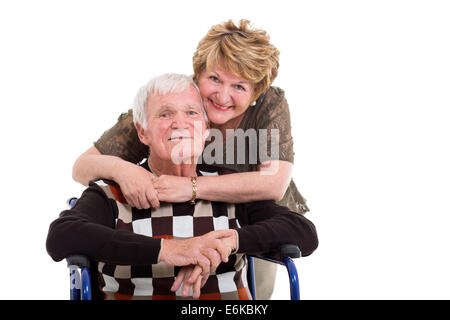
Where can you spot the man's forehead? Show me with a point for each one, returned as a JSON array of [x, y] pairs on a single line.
[[187, 98], [175, 106]]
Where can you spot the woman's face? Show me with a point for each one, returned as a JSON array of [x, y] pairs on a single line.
[[225, 95]]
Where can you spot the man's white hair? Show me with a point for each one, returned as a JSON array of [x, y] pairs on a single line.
[[161, 85]]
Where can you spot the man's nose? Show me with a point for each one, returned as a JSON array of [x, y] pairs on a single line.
[[180, 121]]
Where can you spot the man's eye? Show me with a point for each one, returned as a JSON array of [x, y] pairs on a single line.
[[192, 113], [165, 115]]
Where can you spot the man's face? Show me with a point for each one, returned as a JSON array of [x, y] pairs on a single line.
[[176, 126]]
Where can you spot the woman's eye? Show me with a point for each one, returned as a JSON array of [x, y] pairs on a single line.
[[239, 87], [214, 78]]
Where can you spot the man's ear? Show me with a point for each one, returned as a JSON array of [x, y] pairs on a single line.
[[142, 134]]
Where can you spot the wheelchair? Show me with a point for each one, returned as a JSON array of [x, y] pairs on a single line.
[[80, 277]]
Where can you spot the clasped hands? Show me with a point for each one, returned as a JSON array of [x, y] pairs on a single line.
[[198, 256]]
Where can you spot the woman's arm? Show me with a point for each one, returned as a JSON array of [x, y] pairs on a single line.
[[113, 157], [134, 181], [269, 183], [92, 165]]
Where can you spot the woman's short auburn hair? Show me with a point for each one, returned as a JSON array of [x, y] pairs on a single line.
[[243, 51]]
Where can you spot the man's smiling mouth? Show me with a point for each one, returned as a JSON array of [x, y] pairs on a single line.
[[179, 138]]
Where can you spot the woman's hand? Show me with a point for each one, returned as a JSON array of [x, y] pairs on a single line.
[[136, 184], [173, 188]]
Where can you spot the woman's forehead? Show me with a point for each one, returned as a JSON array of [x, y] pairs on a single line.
[[231, 74]]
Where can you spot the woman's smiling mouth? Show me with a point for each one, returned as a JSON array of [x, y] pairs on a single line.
[[219, 107]]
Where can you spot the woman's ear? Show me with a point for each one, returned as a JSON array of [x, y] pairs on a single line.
[[142, 134]]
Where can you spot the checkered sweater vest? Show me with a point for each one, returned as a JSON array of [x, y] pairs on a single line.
[[172, 221]]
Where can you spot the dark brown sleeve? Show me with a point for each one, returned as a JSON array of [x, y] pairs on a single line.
[[267, 226], [274, 114], [122, 140], [88, 229]]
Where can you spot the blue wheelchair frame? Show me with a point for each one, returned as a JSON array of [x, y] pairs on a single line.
[[80, 283]]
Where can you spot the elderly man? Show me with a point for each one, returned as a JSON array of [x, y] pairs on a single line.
[[150, 253]]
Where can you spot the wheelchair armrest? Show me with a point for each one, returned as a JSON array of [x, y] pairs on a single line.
[[284, 251], [78, 260], [290, 251]]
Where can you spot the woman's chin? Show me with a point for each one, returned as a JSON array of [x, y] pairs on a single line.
[[218, 119]]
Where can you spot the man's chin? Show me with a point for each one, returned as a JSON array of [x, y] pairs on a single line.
[[182, 160], [183, 153]]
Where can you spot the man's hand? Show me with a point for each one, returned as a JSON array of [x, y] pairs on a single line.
[[198, 250], [192, 276], [136, 184]]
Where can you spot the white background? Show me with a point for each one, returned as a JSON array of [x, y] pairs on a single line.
[[368, 87]]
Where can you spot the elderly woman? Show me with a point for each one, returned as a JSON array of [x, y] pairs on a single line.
[[140, 248], [234, 67]]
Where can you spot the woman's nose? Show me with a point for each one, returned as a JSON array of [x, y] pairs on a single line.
[[223, 96]]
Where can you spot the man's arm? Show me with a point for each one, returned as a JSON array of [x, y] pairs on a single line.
[[267, 226], [88, 228]]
